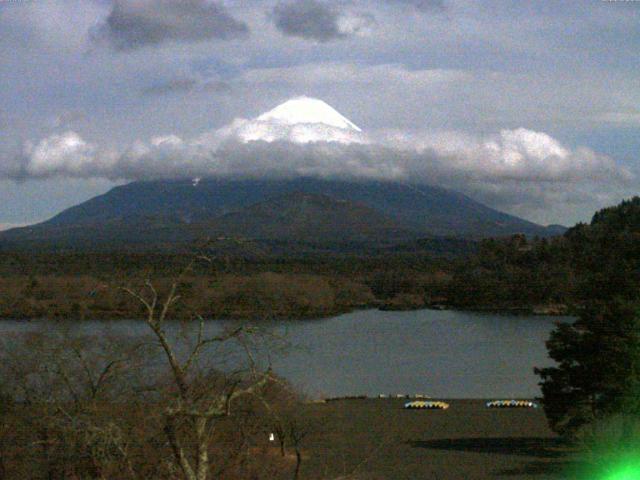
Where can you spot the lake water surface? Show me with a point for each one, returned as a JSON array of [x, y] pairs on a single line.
[[447, 354], [438, 353]]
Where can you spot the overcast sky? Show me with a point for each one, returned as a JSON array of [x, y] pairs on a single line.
[[530, 107]]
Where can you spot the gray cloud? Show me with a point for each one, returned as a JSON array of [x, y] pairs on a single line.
[[133, 24], [69, 119], [313, 20], [423, 5], [217, 86], [186, 85], [175, 85]]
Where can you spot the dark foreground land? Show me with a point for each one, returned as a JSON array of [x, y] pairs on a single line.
[[378, 439]]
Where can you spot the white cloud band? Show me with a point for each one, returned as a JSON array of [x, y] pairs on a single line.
[[513, 167], [259, 147]]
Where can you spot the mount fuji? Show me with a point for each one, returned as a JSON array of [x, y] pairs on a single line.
[[307, 110], [304, 209], [300, 120]]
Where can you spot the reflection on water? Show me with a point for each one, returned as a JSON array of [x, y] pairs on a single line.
[[444, 354]]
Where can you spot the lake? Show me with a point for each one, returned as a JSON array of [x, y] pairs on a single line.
[[446, 354]]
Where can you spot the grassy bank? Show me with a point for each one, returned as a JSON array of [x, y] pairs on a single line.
[[378, 439], [356, 439]]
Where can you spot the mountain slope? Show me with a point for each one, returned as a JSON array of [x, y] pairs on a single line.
[[307, 217], [166, 210], [432, 210]]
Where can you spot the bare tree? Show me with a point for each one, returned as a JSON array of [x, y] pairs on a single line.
[[191, 416], [296, 431], [90, 405], [59, 383]]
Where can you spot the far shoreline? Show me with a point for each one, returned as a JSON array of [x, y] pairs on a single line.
[[501, 312]]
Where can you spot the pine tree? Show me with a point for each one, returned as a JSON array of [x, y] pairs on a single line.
[[598, 366], [598, 356]]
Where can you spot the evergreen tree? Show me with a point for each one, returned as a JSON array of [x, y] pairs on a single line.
[[598, 356], [598, 366]]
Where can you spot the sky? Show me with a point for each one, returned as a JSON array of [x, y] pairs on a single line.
[[532, 108]]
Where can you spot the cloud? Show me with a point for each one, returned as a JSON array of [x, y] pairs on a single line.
[[68, 119], [313, 20], [268, 131], [175, 85], [8, 226], [423, 5], [64, 155], [360, 24], [134, 24], [520, 155], [351, 74], [186, 85], [623, 118], [519, 170], [272, 148]]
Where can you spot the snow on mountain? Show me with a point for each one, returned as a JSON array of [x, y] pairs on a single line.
[[307, 110], [300, 120]]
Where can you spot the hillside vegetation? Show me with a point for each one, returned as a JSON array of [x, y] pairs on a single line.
[[591, 261], [514, 274]]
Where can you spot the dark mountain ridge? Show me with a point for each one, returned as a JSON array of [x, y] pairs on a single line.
[[301, 209]]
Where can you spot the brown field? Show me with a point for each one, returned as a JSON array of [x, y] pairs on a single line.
[[235, 296], [378, 439]]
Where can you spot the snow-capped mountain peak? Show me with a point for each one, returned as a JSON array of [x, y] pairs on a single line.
[[307, 110], [300, 120]]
